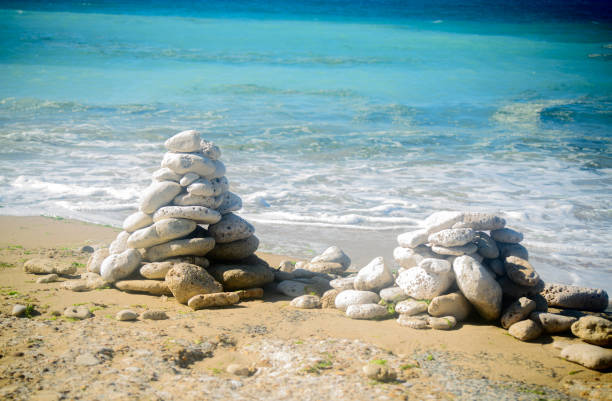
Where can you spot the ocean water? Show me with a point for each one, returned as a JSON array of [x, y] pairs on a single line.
[[340, 122]]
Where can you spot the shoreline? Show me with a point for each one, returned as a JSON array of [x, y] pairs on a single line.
[[474, 350]]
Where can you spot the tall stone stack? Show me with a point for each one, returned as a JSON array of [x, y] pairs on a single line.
[[185, 221]]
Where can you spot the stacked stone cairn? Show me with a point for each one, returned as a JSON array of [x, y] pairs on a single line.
[[185, 239]]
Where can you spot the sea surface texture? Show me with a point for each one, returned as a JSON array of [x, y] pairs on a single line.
[[340, 122]]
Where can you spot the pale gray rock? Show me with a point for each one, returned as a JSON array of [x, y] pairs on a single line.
[[452, 237], [185, 141], [525, 330], [408, 257], [154, 315], [517, 311], [487, 247], [87, 359], [418, 322], [292, 288], [183, 163], [238, 276], [324, 267], [593, 330], [333, 254], [230, 203], [366, 311], [442, 323], [187, 199], [412, 239], [165, 174], [203, 187], [48, 266], [344, 283], [328, 300], [210, 150], [179, 247], [157, 195], [520, 271], [119, 244], [355, 297], [286, 266], [118, 266], [162, 231], [553, 323], [466, 249], [517, 250], [478, 286], [432, 277], [589, 356], [374, 276], [136, 221], [219, 169], [185, 281], [481, 221], [507, 235], [496, 266], [411, 307], [158, 270], [126, 315], [153, 287], [379, 373], [202, 301], [453, 304], [392, 294], [443, 220], [18, 310], [88, 282], [77, 312], [236, 250], [231, 228], [188, 179], [306, 302], [574, 297], [50, 278]]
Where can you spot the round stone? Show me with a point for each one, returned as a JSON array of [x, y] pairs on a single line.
[[234, 251], [374, 276], [126, 315], [432, 277], [452, 237], [183, 163], [594, 330], [442, 323], [95, 260], [231, 228], [118, 266], [517, 311], [157, 195], [487, 248], [119, 244], [185, 141], [454, 304], [187, 199], [355, 297], [188, 178], [333, 254], [241, 275], [507, 235], [520, 271], [411, 307], [136, 221], [185, 281], [366, 311], [478, 286], [230, 203], [525, 330], [306, 302]]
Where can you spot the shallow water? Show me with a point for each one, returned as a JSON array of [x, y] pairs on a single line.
[[339, 122]]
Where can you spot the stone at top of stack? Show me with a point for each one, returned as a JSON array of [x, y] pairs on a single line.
[[184, 215]]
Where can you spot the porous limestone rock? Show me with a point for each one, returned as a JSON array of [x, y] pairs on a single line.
[[48, 266], [344, 283], [574, 297], [594, 330], [188, 178], [183, 163], [452, 237], [587, 355], [231, 228], [374, 276], [412, 239], [392, 294], [442, 323], [119, 244], [118, 266], [185, 141], [366, 311], [467, 249], [210, 150], [411, 307], [198, 214], [306, 302], [428, 280], [553, 323], [525, 330], [408, 257], [186, 280], [153, 287], [453, 304], [487, 247], [202, 301], [95, 260], [230, 202], [418, 322], [333, 254], [478, 286], [328, 299], [180, 247], [481, 221], [443, 220], [355, 297], [165, 174]]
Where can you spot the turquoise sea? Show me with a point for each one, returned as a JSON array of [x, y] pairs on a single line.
[[340, 122]]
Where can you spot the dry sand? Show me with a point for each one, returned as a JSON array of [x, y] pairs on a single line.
[[297, 354]]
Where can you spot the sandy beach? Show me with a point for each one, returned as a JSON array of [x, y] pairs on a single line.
[[290, 353]]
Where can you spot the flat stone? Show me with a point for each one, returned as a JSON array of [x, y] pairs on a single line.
[[306, 302], [525, 330], [453, 304], [443, 220], [366, 311], [185, 141], [589, 356], [411, 307], [507, 235], [165, 174], [355, 297], [230, 203], [408, 257], [379, 373], [553, 323], [412, 239], [50, 278], [325, 267], [202, 301], [333, 254], [213, 187], [466, 249], [513, 290], [250, 293], [158, 270], [231, 228], [344, 283], [292, 288], [418, 322], [180, 247], [452, 237], [478, 286], [86, 249], [161, 232], [520, 271], [593, 330], [126, 315], [374, 276], [18, 310], [442, 323], [188, 199], [183, 163], [153, 287], [241, 276], [234, 251], [87, 359], [88, 282], [210, 150], [392, 294], [77, 312], [574, 297], [517, 311], [328, 300], [48, 266], [219, 169], [432, 277], [487, 247], [481, 221], [154, 315], [157, 195], [118, 266], [136, 221], [185, 281], [94, 263], [506, 250], [198, 214], [496, 266], [188, 179]]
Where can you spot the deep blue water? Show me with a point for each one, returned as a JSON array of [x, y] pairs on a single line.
[[339, 121]]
